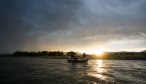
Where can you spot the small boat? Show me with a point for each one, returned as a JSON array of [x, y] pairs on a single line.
[[74, 59], [77, 60]]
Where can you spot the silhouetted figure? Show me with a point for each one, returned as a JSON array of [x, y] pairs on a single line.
[[84, 55], [75, 58], [72, 56]]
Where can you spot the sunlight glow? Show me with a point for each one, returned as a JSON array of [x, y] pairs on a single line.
[[97, 52], [99, 70]]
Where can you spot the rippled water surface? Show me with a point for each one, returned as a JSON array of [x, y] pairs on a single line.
[[59, 71]]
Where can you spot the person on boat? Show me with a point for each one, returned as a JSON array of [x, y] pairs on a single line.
[[72, 56], [75, 58], [84, 55]]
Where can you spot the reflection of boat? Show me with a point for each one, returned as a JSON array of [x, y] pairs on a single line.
[[77, 60]]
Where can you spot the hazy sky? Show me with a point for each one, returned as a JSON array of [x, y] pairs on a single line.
[[78, 25]]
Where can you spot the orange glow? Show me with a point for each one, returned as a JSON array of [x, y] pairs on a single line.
[[97, 52]]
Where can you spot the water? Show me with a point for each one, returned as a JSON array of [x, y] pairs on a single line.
[[25, 70]]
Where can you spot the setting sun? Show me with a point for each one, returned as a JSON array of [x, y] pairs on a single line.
[[97, 52]]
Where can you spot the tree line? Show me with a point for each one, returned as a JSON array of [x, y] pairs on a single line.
[[106, 55], [127, 55], [44, 53], [39, 53]]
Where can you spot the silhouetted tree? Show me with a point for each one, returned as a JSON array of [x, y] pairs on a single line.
[[39, 53], [71, 53]]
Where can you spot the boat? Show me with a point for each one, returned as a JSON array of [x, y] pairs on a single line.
[[74, 59], [77, 60]]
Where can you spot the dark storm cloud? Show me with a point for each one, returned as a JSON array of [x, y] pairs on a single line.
[[31, 24], [23, 22]]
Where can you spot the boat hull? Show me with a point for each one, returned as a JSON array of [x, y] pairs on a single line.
[[77, 61]]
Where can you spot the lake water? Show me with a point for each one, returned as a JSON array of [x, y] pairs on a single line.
[[25, 70]]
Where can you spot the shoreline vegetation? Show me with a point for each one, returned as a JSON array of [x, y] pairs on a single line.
[[63, 55]]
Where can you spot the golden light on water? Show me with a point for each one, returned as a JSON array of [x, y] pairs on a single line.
[[98, 70], [99, 63]]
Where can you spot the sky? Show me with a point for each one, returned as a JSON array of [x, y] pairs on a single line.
[[72, 25]]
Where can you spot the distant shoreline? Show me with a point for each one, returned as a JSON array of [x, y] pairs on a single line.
[[65, 57], [49, 57]]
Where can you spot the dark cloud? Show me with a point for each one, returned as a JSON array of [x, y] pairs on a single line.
[[34, 24], [23, 22]]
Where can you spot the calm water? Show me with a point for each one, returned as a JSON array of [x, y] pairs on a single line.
[[59, 71]]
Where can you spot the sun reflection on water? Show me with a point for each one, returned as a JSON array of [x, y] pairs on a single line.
[[98, 70], [99, 63]]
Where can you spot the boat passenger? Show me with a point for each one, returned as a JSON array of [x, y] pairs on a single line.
[[75, 58], [71, 56], [84, 55]]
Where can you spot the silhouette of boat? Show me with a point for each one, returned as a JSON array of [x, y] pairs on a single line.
[[77, 60]]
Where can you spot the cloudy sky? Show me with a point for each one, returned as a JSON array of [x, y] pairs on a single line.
[[78, 25]]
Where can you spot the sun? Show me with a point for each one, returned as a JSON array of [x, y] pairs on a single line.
[[97, 52]]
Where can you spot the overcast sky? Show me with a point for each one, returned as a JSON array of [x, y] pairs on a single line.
[[78, 25]]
